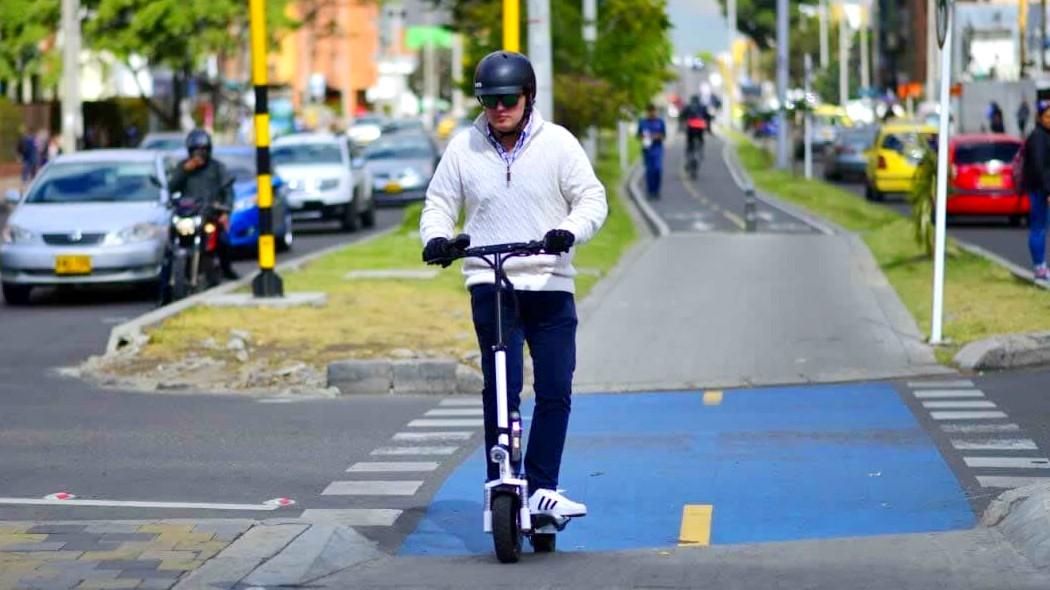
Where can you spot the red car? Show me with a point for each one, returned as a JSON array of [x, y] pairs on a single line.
[[980, 177]]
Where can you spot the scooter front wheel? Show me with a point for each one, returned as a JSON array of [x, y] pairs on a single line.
[[506, 532]]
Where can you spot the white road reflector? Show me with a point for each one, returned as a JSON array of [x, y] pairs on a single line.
[[392, 466], [1001, 444], [455, 412], [1009, 481], [446, 422], [959, 405], [414, 450], [1008, 462], [947, 393], [372, 488], [961, 415], [352, 516]]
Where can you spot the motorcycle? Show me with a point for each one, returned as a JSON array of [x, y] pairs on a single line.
[[192, 258]]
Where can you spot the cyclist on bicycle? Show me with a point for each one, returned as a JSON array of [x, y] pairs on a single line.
[[697, 121], [554, 193]]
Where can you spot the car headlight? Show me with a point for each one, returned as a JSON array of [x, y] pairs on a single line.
[[186, 226], [246, 203], [14, 234], [328, 184], [410, 178], [140, 232]]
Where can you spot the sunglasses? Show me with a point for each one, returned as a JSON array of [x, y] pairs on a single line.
[[489, 101]]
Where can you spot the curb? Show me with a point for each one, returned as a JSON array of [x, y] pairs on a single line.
[[404, 377], [1009, 351], [131, 331], [656, 224], [1015, 269], [1023, 517]]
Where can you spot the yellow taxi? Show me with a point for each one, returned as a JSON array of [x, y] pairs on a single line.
[[828, 120], [893, 157]]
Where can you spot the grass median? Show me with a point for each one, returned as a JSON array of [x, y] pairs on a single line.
[[369, 318], [982, 299]]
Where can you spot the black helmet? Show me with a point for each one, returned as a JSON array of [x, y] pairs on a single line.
[[198, 139], [505, 72]]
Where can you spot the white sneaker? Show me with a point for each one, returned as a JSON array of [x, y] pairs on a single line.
[[552, 503]]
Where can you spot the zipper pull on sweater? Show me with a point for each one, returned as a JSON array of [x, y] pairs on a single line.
[[508, 174]]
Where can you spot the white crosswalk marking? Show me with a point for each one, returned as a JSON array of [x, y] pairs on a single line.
[[947, 393], [941, 384], [455, 412], [392, 466], [352, 516], [1009, 481], [1008, 462], [414, 451], [449, 422], [372, 488], [979, 428], [455, 401], [999, 444], [952, 415], [959, 405], [431, 436]]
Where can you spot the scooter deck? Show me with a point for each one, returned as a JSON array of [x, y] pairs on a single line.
[[548, 525]]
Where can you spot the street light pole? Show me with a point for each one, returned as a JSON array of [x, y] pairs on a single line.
[[940, 234], [807, 130], [730, 81], [540, 55], [782, 82], [823, 33], [71, 115], [511, 32], [843, 55], [590, 36]]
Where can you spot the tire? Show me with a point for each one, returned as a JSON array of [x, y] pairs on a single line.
[[1017, 220], [17, 294], [872, 194], [544, 542], [368, 217], [506, 535], [350, 220], [180, 283]]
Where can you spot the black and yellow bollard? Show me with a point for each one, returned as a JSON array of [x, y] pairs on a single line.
[[750, 213], [267, 283]]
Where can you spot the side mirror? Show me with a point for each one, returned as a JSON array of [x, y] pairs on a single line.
[[12, 196]]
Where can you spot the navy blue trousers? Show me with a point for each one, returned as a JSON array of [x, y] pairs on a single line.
[[654, 168], [546, 320]]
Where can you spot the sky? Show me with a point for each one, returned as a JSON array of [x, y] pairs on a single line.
[[698, 26]]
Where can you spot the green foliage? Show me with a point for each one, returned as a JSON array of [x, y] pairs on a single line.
[[922, 198], [24, 27], [758, 19], [628, 65], [10, 122]]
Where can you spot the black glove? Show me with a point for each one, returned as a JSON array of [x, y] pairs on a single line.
[[438, 251], [558, 241]]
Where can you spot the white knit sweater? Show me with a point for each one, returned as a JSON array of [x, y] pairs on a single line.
[[552, 185]]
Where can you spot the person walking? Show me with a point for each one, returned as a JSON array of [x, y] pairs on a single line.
[[651, 131], [1023, 112], [1036, 183], [995, 118], [26, 153], [520, 178]]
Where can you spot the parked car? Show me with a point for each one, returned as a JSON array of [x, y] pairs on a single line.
[[98, 216], [244, 219], [324, 181], [980, 177], [401, 165], [366, 129], [828, 122], [846, 155], [891, 161], [164, 141]]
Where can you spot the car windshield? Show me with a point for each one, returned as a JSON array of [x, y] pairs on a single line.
[[907, 143], [973, 153], [161, 143], [84, 182], [307, 153], [241, 165], [859, 139], [400, 148]]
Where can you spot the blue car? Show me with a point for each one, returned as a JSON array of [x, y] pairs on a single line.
[[244, 220]]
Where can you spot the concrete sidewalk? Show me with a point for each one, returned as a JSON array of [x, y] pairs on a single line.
[[728, 309]]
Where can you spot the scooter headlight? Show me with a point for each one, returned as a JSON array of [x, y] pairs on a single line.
[[186, 226]]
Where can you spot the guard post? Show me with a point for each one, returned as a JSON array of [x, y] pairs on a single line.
[[267, 283], [750, 215]]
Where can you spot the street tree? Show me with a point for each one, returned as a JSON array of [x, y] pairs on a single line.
[[26, 31]]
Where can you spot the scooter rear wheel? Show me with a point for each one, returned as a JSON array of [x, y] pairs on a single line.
[[544, 542], [506, 534]]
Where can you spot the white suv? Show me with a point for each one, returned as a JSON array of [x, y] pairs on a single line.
[[323, 180]]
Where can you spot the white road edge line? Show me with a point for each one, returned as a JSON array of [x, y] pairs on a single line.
[[454, 401], [414, 451], [950, 415], [1003, 444], [959, 404], [392, 466], [1008, 481], [462, 412], [941, 384], [451, 423], [135, 504], [947, 393], [979, 428], [1008, 462], [372, 488], [432, 436]]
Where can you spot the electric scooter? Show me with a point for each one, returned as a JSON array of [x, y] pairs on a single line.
[[507, 517]]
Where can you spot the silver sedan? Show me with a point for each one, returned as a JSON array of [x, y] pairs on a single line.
[[91, 217]]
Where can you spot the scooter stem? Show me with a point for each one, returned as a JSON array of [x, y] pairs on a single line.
[[500, 350]]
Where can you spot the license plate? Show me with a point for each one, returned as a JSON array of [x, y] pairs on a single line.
[[393, 187], [72, 265], [990, 181]]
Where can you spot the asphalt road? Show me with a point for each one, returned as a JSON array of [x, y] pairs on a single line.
[[994, 234]]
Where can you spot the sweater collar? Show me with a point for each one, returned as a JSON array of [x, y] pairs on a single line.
[[535, 125]]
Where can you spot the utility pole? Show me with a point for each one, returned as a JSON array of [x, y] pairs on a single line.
[[843, 55], [931, 50], [429, 72], [730, 81], [865, 66], [1022, 28], [783, 162], [807, 130], [1042, 35], [349, 94], [824, 34], [590, 36], [72, 122], [540, 55], [458, 109], [511, 25], [940, 211]]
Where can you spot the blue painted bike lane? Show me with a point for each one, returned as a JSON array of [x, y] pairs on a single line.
[[774, 464]]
